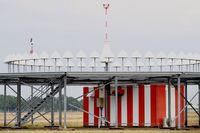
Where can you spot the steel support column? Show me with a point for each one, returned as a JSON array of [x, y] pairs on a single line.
[[52, 107], [107, 92], [60, 107], [5, 105], [179, 109], [169, 102], [19, 104], [65, 102], [186, 108], [199, 102], [116, 102], [31, 100]]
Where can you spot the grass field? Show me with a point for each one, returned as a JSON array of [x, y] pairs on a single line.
[[75, 121]]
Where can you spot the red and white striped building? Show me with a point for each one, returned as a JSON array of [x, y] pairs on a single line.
[[138, 105]]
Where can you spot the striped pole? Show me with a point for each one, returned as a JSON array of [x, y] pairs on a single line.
[[106, 7]]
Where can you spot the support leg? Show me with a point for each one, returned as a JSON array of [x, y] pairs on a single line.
[[5, 105], [199, 104], [107, 92], [179, 109], [65, 103], [19, 104], [169, 102], [116, 102], [186, 108], [60, 107], [52, 109], [32, 99]]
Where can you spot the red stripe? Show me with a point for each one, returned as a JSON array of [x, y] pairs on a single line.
[[130, 105], [119, 108], [153, 105], [96, 109], [160, 104], [141, 105], [85, 106]]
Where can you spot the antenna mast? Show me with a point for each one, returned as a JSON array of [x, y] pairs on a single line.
[[106, 7]]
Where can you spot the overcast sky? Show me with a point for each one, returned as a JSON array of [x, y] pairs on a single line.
[[156, 25]]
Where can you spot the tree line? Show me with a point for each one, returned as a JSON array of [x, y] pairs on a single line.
[[11, 103]]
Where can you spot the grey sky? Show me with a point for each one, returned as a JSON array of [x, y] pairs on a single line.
[[157, 25]]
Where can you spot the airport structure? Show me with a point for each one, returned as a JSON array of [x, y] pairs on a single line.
[[140, 90]]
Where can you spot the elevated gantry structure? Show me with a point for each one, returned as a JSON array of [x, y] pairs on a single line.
[[52, 83]]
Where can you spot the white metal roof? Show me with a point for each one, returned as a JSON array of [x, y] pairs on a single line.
[[161, 55], [44, 55], [94, 54], [80, 54], [122, 54], [136, 54], [149, 54], [55, 55], [68, 55], [172, 55], [106, 53]]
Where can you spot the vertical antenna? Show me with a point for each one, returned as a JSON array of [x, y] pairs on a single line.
[[31, 42], [106, 7]]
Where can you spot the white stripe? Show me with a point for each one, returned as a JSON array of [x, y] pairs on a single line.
[[135, 106], [147, 99], [91, 109], [124, 107], [112, 109]]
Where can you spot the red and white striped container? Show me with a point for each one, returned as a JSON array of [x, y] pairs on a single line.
[[138, 105]]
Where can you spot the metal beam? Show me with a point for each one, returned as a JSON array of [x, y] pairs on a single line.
[[52, 107], [107, 91], [169, 101], [186, 108], [199, 103], [65, 102], [179, 109], [19, 104], [60, 107], [5, 105], [32, 99], [116, 102]]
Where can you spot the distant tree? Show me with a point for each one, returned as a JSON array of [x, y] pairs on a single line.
[[11, 103]]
